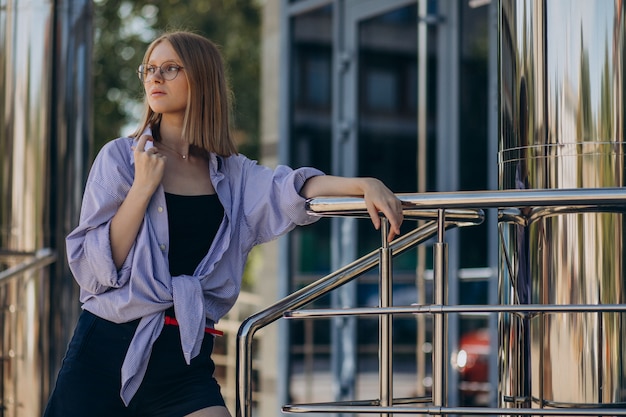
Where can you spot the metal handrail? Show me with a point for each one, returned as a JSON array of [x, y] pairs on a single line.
[[576, 200], [582, 197], [519, 309], [42, 257], [370, 409], [316, 290]]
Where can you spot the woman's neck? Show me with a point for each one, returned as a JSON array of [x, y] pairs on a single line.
[[170, 133]]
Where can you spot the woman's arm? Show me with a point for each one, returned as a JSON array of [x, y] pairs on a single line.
[[378, 198], [149, 168]]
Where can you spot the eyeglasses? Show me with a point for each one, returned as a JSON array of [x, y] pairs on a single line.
[[168, 71]]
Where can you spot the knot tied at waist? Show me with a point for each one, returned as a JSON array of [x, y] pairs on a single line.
[[188, 304]]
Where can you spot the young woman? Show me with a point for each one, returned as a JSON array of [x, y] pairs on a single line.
[[169, 216]]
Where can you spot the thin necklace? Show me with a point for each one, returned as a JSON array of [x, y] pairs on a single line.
[[173, 150]]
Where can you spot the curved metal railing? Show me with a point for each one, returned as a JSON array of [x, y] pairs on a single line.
[[38, 259], [23, 344], [443, 210]]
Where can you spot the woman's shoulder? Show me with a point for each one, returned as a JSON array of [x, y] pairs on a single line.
[[238, 161], [233, 163]]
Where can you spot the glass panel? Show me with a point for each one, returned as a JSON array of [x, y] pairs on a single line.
[[388, 98], [310, 124], [310, 134], [474, 160], [387, 110]]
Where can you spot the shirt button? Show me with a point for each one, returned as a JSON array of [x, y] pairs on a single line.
[[162, 246], [160, 209]]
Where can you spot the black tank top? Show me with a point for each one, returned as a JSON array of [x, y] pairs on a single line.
[[193, 223]]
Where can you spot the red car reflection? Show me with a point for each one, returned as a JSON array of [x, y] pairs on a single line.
[[472, 362]]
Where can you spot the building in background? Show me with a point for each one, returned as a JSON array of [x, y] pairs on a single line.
[[402, 90]]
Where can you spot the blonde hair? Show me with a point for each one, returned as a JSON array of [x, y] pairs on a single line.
[[206, 124]]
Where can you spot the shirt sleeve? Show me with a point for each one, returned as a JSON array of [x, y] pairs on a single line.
[[272, 202], [88, 245]]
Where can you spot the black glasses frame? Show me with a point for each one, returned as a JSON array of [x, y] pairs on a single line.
[[167, 70]]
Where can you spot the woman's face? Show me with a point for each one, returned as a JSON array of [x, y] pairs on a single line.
[[165, 96]]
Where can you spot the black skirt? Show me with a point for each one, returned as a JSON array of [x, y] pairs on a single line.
[[89, 381]]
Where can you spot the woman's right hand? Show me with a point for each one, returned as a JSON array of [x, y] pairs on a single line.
[[149, 169], [149, 165]]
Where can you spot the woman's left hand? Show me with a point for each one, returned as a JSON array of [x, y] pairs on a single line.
[[379, 199]]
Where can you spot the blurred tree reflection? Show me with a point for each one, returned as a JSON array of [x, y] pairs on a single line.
[[124, 28]]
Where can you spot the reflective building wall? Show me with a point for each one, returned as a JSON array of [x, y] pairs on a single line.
[[45, 136], [561, 126]]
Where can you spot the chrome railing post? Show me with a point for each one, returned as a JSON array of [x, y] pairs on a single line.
[[440, 267], [244, 368], [386, 320]]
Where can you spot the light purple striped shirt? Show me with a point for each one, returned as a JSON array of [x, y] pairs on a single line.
[[260, 204]]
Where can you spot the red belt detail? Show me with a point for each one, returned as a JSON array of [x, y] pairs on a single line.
[[171, 321]]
